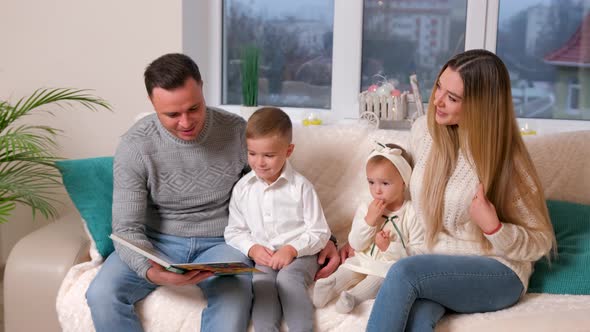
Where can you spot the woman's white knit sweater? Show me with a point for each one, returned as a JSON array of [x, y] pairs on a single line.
[[514, 246]]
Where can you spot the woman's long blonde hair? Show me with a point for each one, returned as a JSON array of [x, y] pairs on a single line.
[[489, 134]]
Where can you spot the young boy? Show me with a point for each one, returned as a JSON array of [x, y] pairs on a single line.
[[275, 218]]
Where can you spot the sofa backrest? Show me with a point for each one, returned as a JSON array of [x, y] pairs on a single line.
[[333, 159], [563, 163]]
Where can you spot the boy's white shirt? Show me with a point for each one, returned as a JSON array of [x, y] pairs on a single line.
[[286, 212]]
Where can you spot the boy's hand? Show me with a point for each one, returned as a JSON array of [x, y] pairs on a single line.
[[382, 240], [260, 254], [375, 213], [160, 276], [482, 212], [283, 257]]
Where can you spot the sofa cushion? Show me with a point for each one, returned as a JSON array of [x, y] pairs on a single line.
[[89, 182], [568, 273]]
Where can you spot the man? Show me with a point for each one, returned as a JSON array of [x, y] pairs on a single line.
[[173, 175]]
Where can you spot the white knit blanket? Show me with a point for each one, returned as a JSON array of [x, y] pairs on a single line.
[[332, 158], [178, 309]]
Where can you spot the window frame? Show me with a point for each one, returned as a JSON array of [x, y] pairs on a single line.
[[574, 91], [480, 32]]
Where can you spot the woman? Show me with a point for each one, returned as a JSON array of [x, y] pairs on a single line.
[[475, 188]]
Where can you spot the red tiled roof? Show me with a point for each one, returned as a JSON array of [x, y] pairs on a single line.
[[576, 51]]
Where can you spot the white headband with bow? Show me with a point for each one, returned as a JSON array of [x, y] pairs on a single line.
[[395, 156]]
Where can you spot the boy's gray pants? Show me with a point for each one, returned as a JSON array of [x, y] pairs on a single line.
[[283, 292]]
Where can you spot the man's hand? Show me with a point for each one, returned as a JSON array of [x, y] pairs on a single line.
[[345, 252], [160, 276], [283, 257], [482, 212], [374, 215], [260, 254], [329, 259], [382, 240]]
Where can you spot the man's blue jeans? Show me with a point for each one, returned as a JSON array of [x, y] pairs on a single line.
[[418, 289], [116, 288]]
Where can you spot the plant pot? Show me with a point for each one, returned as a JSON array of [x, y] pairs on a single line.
[[246, 111]]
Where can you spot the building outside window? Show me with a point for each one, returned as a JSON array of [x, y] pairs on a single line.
[[403, 37], [295, 43], [551, 73]]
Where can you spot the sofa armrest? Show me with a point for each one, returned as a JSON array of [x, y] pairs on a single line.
[[35, 270]]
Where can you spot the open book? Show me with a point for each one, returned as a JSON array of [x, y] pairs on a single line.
[[160, 258]]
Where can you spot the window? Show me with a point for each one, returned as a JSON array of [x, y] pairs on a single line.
[[573, 98], [496, 25], [545, 47], [401, 38], [294, 39]]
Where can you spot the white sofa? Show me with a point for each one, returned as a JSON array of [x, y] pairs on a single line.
[[55, 263]]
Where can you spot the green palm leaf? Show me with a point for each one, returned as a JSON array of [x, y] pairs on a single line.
[[28, 174], [27, 141], [6, 208]]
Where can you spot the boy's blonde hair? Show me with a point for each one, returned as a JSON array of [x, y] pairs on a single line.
[[270, 121]]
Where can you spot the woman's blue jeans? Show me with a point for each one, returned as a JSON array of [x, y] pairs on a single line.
[[116, 288], [418, 289]]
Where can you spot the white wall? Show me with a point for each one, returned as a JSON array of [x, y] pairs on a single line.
[[101, 45]]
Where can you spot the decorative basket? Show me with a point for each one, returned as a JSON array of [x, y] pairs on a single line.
[[391, 112]]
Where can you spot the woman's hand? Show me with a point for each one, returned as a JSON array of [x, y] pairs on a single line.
[[375, 213], [483, 212]]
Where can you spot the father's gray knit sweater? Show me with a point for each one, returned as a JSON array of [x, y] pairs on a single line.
[[174, 186]]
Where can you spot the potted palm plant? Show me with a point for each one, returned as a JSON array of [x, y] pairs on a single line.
[[28, 174], [249, 81]]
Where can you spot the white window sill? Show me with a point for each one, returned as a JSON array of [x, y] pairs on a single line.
[[541, 126]]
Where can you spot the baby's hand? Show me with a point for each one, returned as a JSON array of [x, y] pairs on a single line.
[[283, 257], [260, 254], [382, 240], [374, 215]]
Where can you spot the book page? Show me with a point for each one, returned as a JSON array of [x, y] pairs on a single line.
[[149, 253], [219, 268], [160, 258]]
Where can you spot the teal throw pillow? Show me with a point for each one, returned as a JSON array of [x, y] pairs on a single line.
[[89, 182], [569, 273]]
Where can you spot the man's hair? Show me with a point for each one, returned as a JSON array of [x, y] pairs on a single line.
[[269, 121], [170, 71]]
